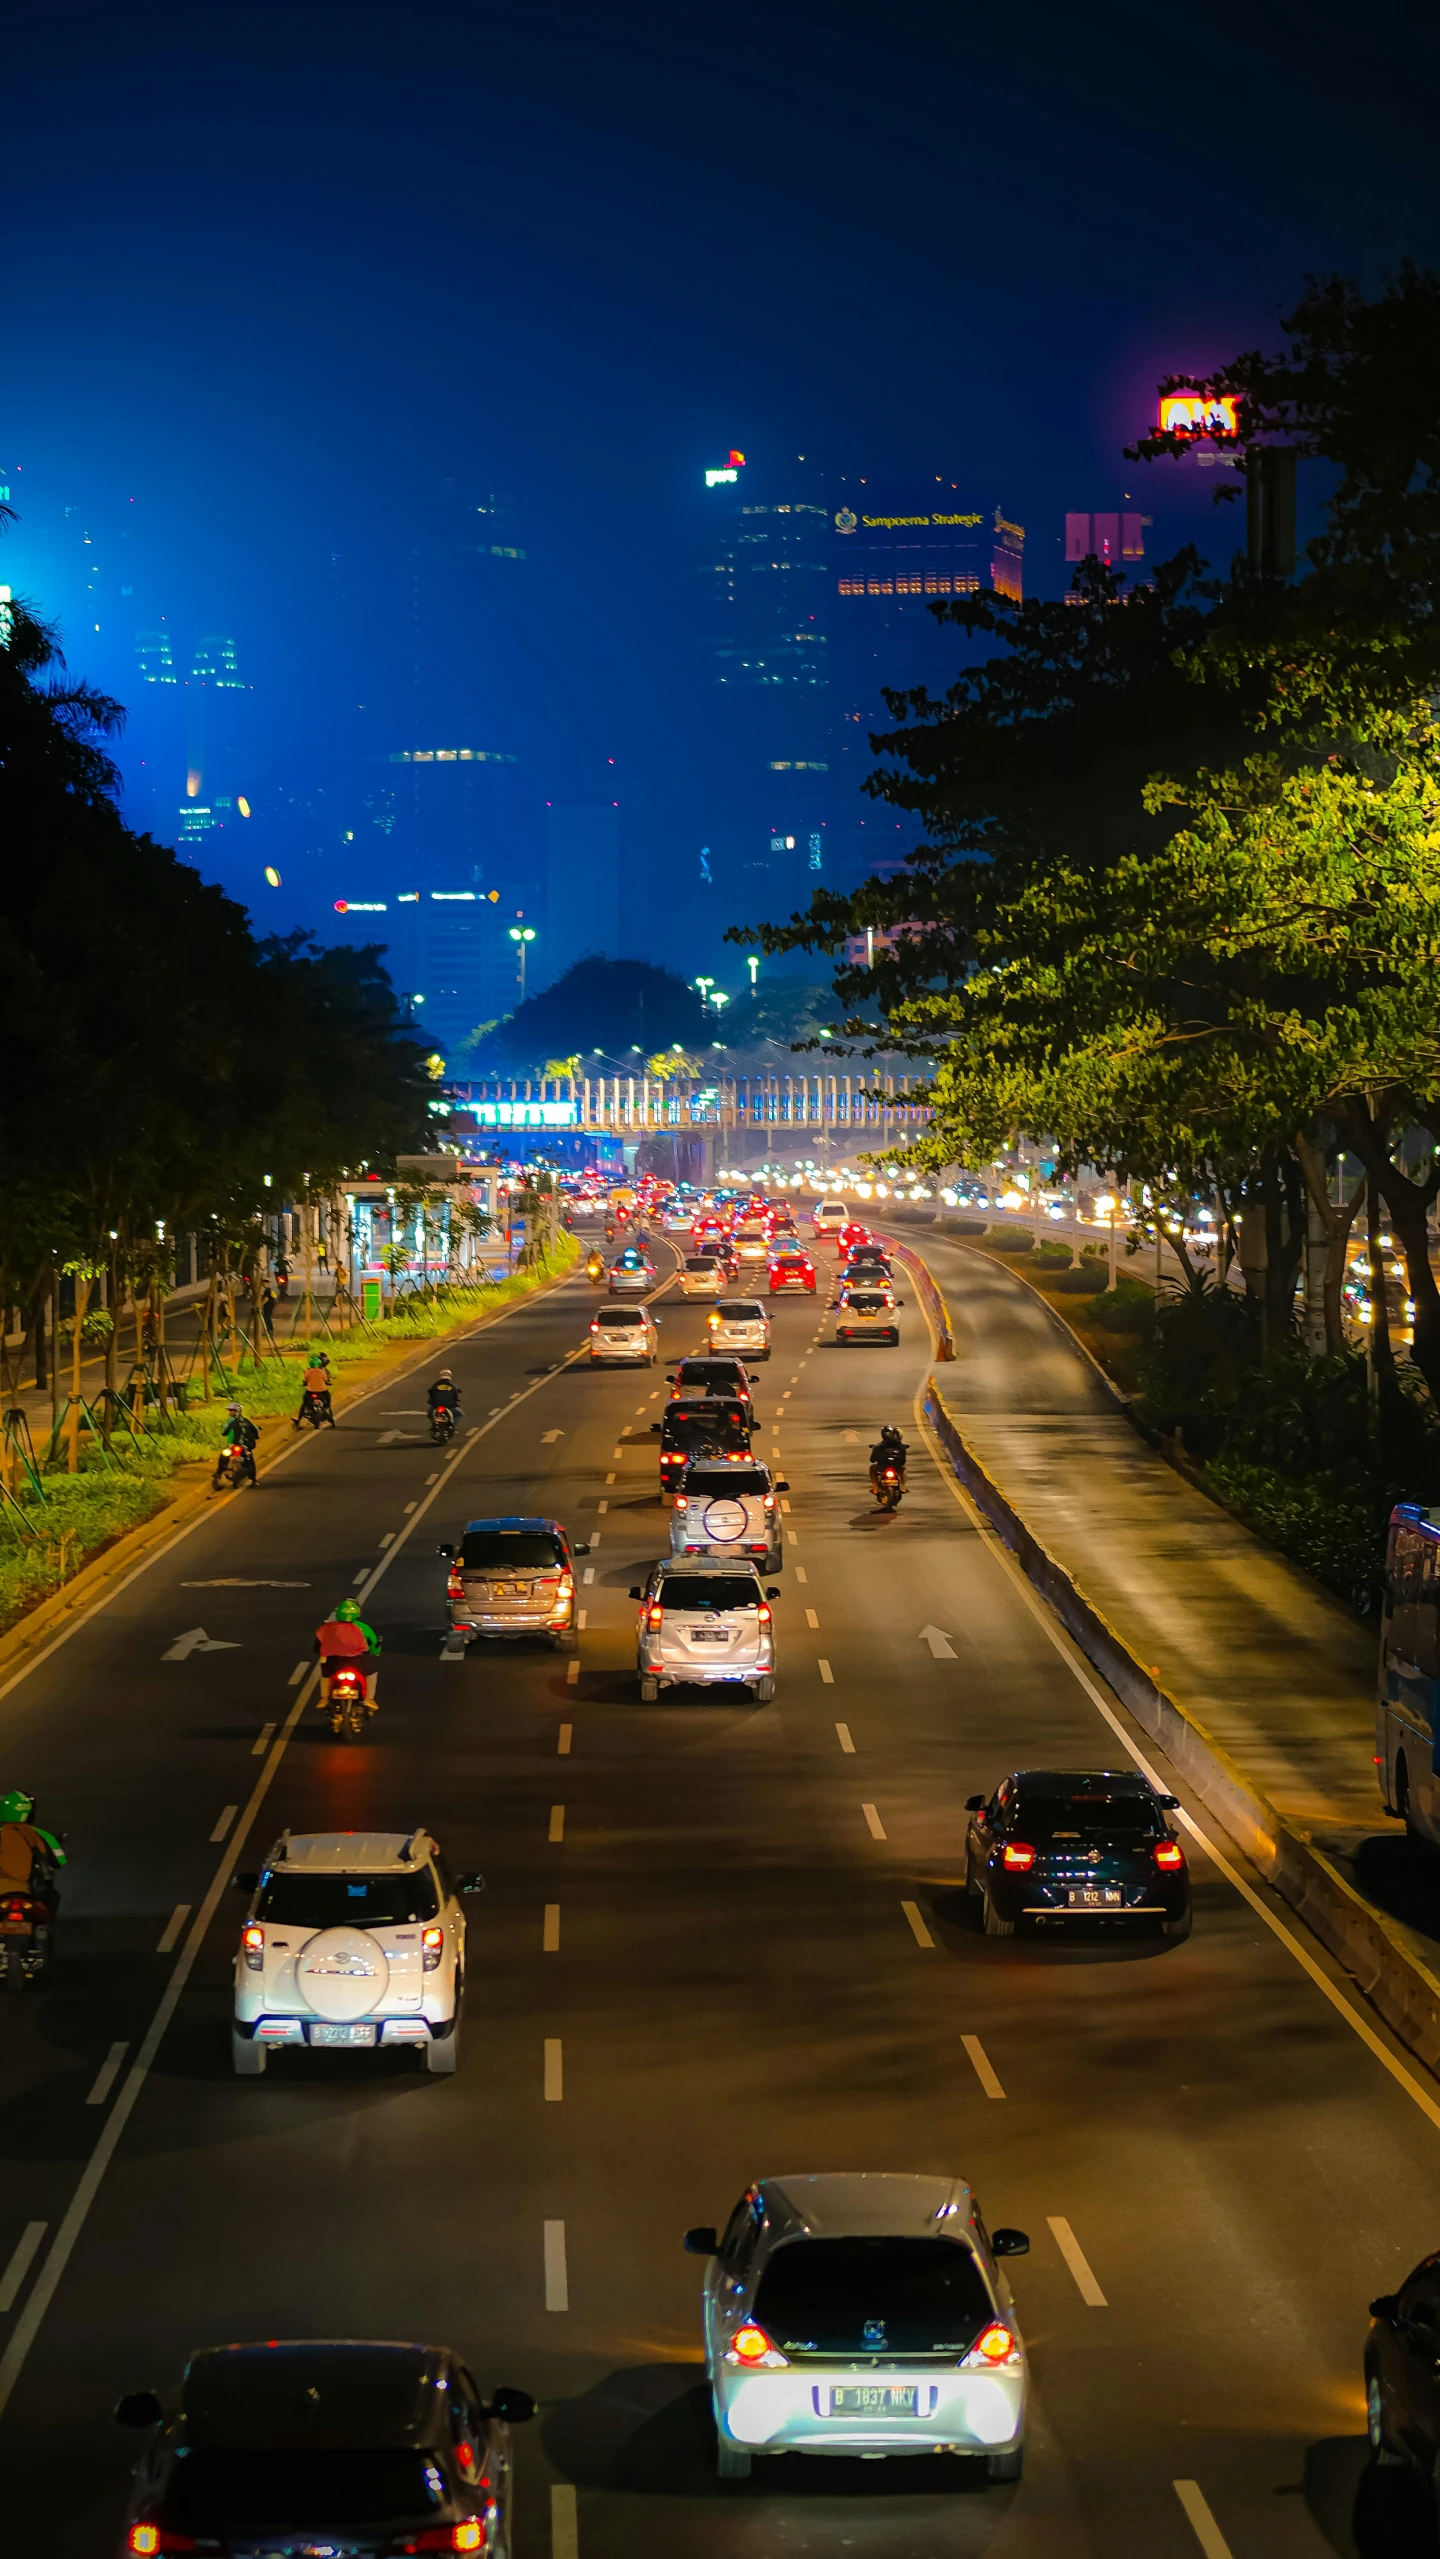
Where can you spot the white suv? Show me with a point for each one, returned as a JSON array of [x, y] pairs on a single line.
[[729, 1513], [353, 1938]]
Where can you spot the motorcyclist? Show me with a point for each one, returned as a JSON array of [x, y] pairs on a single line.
[[29, 1856], [239, 1433], [595, 1263], [315, 1386], [346, 1642], [444, 1395], [889, 1450]]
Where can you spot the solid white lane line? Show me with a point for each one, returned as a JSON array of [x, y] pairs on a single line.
[[826, 1673], [564, 2522], [557, 1822], [1077, 2261], [1201, 2521], [800, 1573], [173, 1926], [812, 1620], [554, 2071], [873, 1823], [19, 2266], [550, 1938], [565, 1732], [572, 1674], [223, 1824], [918, 1929], [557, 2280], [107, 2074], [297, 1674], [262, 1741], [983, 2071], [1403, 2078], [846, 1743]]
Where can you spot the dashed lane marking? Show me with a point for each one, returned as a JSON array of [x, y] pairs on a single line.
[[564, 1743], [170, 1935], [223, 1824], [557, 2280], [1198, 2516], [812, 1620], [918, 1929], [107, 2074], [554, 2071], [262, 1741], [564, 2522], [981, 2061], [572, 1674], [873, 1823], [826, 1672], [550, 1935], [1077, 2261], [20, 2263], [557, 1822], [297, 1674], [843, 1735]]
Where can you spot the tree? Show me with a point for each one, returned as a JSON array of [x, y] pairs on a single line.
[[615, 1006]]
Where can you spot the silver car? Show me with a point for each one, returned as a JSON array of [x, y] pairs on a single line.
[[624, 1333], [740, 1324], [632, 1274], [701, 1276], [728, 1514], [704, 1626], [862, 2314]]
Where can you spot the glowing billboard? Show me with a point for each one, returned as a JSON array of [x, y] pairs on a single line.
[[1199, 413]]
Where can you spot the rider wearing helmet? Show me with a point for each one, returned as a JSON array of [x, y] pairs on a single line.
[[346, 1642], [889, 1450], [444, 1391], [239, 1433], [315, 1388], [29, 1856]]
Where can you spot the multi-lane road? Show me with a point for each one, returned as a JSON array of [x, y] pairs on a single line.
[[719, 1939]]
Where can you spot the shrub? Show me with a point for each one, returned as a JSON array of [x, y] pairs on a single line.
[[1076, 1283], [1128, 1307], [1009, 1239]]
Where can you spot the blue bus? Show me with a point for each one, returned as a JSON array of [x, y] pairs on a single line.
[[1407, 1711]]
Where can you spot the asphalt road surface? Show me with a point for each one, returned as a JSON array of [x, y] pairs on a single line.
[[755, 1960]]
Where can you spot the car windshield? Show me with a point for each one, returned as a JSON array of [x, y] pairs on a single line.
[[740, 1310], [301, 1900], [702, 1481], [218, 2489], [875, 2296], [1089, 1816], [510, 1550], [708, 1591]]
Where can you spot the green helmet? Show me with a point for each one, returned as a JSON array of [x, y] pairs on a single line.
[[17, 1806], [348, 1609]]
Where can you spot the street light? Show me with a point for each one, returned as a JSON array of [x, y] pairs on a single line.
[[718, 1000], [522, 935], [704, 984], [753, 965]]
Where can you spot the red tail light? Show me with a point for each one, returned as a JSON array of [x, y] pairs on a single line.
[[147, 2538], [17, 1910], [1017, 1856], [1169, 1854], [763, 1612], [253, 1941], [455, 1587], [433, 1941], [469, 2535], [752, 2347], [654, 1613], [994, 2345]]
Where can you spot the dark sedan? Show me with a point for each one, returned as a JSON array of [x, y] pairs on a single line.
[[1402, 2372], [700, 1428], [328, 2444], [1052, 1846]]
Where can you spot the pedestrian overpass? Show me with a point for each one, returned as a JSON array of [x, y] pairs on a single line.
[[744, 1117]]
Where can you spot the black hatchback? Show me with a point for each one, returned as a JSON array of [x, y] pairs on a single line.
[[326, 2443], [1053, 1846], [1402, 2372]]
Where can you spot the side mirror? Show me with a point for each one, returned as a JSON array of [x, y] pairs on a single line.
[[780, 1484], [974, 1803], [635, 1591], [244, 1883], [1009, 2243], [474, 1882], [1385, 2305], [773, 1592], [1170, 1803], [581, 1546], [654, 1430], [512, 2407], [138, 2408], [446, 1553], [669, 1377], [702, 2242]]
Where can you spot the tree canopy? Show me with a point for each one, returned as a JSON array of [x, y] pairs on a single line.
[[615, 1006]]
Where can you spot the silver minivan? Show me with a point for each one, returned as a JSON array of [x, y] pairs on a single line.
[[704, 1626], [624, 1333], [740, 1324], [729, 1512]]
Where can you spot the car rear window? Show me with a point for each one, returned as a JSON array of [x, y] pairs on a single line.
[[703, 1591], [1090, 1815], [740, 1310], [701, 1481], [222, 2490], [489, 1550], [334, 1901], [873, 2296], [625, 1318], [830, 1208], [699, 1261], [720, 1376], [865, 1301]]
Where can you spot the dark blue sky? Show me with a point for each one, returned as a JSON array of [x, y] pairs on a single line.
[[271, 274]]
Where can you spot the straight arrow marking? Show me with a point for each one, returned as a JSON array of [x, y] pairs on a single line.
[[939, 1643], [195, 1640]]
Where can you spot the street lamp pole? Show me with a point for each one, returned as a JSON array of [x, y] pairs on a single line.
[[522, 935]]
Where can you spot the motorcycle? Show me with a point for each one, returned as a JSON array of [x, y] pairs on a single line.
[[595, 1270], [315, 1408], [342, 1698], [27, 1928], [889, 1485], [236, 1466], [442, 1423]]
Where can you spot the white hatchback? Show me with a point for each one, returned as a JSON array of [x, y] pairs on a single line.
[[862, 2314], [624, 1333], [740, 1324], [352, 1939]]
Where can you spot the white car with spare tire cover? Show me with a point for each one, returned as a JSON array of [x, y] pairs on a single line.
[[353, 1939], [727, 1512]]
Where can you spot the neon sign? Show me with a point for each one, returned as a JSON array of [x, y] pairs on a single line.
[[719, 479], [1199, 413], [360, 906]]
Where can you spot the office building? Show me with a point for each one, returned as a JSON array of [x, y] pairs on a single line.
[[448, 953]]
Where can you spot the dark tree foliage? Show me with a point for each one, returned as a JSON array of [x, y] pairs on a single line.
[[611, 1005]]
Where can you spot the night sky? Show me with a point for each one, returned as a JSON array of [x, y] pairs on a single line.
[[274, 275]]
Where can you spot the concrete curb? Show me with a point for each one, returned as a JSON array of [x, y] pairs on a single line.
[[52, 1619], [1394, 1977]]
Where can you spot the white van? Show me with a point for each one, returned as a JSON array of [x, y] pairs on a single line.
[[829, 1216]]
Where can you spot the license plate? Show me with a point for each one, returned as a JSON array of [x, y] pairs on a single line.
[[14, 1928], [875, 2399], [709, 1635], [363, 2033], [1093, 1897]]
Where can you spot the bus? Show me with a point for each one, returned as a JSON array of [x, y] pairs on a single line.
[[1407, 1711]]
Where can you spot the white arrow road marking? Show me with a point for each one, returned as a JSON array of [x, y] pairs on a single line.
[[196, 1641], [854, 1438], [547, 1436], [939, 1643], [386, 1437]]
